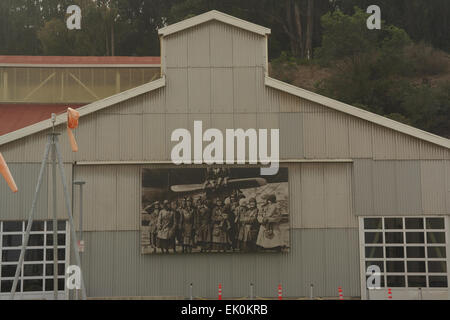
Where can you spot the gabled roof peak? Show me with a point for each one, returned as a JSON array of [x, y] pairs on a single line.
[[213, 15]]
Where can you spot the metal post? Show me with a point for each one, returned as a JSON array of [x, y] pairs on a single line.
[[420, 294], [80, 183], [251, 291], [30, 217], [311, 293], [69, 214], [190, 291], [55, 220]]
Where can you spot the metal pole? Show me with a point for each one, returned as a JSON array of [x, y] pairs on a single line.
[[420, 294], [30, 217], [69, 214], [55, 222], [190, 291], [311, 293], [80, 183], [251, 291]]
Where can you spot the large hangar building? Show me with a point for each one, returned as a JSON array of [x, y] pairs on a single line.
[[363, 189]]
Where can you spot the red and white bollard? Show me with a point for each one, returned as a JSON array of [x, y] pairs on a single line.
[[220, 291], [389, 293], [280, 292], [341, 295]]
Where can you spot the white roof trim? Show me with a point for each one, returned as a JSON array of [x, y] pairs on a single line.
[[213, 15], [357, 112], [85, 110]]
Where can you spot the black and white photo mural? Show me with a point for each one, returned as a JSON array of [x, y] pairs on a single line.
[[214, 209]]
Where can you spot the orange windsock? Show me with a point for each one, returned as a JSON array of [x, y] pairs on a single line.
[[72, 123], [4, 170]]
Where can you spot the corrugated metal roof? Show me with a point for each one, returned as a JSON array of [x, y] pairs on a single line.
[[78, 60], [17, 116]]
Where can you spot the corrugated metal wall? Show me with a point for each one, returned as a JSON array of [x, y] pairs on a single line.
[[320, 196], [327, 258], [409, 187]]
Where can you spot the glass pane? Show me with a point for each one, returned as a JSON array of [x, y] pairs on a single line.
[[436, 237], [32, 285], [61, 239], [10, 226], [32, 270], [381, 281], [372, 223], [8, 270], [34, 255], [6, 286], [413, 223], [394, 237], [373, 237], [415, 237], [49, 284], [437, 281], [395, 266], [415, 252], [36, 226], [436, 252], [416, 266], [395, 252], [393, 223], [435, 223], [12, 240], [437, 266], [61, 225], [49, 269], [374, 252], [380, 264], [417, 281], [36, 240], [10, 255], [61, 254], [395, 281]]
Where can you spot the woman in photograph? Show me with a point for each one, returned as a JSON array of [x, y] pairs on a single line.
[[165, 227], [153, 211], [220, 227], [187, 226], [269, 235], [203, 225], [247, 219]]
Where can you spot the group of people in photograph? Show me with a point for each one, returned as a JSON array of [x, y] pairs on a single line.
[[234, 223]]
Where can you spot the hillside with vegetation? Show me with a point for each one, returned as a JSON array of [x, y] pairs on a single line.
[[401, 71]]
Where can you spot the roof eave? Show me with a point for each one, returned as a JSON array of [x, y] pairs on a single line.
[[213, 15], [357, 112]]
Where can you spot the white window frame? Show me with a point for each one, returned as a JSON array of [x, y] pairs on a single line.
[[20, 294], [405, 273]]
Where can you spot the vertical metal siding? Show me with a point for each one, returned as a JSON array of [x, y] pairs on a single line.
[[198, 39], [312, 196], [314, 135], [447, 190], [177, 90], [155, 101], [16, 206], [174, 121], [431, 151], [108, 136], [409, 200], [175, 50], [337, 135], [221, 45], [363, 187], [248, 48], [154, 138], [433, 186], [291, 136], [244, 89], [384, 188], [199, 86], [295, 195], [384, 143], [325, 257], [222, 90], [338, 195], [407, 147], [360, 138], [131, 135]]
